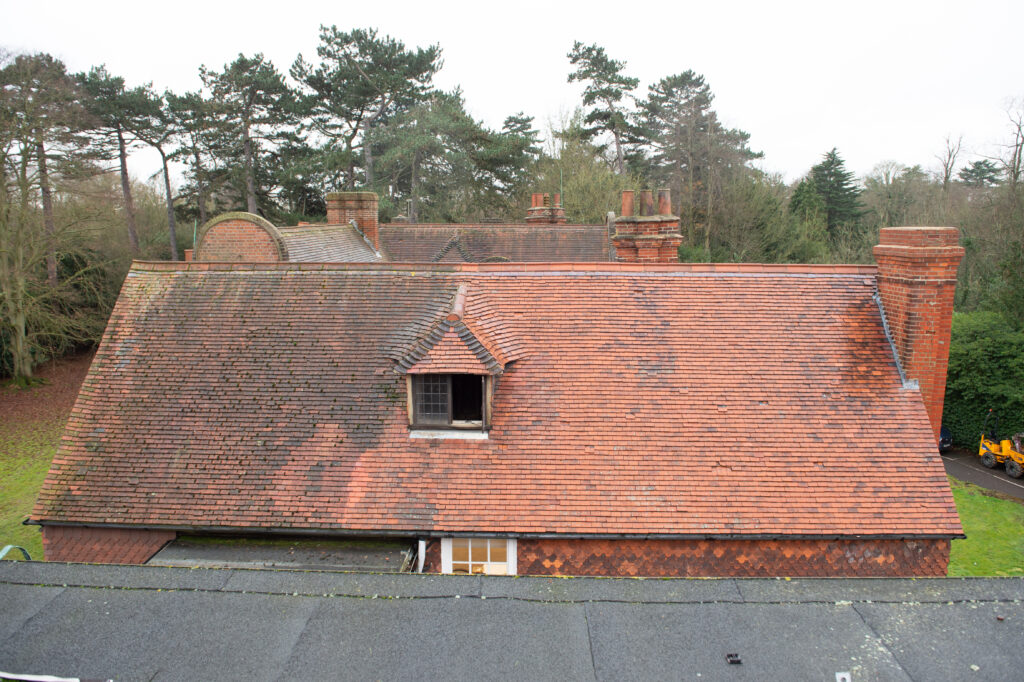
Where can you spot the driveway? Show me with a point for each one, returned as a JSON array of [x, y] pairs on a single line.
[[966, 466]]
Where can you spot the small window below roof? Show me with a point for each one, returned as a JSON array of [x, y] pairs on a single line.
[[456, 401], [478, 556]]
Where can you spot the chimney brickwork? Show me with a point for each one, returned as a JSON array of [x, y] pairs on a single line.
[[917, 269], [649, 237], [358, 206], [544, 211]]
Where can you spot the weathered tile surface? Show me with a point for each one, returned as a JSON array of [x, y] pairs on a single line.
[[678, 400]]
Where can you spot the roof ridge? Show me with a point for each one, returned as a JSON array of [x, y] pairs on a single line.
[[518, 267]]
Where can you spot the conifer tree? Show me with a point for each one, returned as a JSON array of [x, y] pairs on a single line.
[[983, 173], [117, 113], [838, 191], [362, 81], [256, 106], [606, 87]]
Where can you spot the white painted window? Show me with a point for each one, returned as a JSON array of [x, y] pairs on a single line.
[[478, 556]]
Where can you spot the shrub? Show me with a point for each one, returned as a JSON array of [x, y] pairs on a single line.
[[986, 370]]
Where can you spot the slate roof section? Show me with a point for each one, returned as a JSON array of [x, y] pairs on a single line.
[[662, 400], [327, 243], [442, 243]]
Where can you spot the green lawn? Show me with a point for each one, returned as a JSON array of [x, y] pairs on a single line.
[[995, 534], [25, 454]]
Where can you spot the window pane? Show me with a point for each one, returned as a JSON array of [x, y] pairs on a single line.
[[478, 569], [460, 568], [460, 552], [479, 550], [497, 569], [431, 398], [499, 550]]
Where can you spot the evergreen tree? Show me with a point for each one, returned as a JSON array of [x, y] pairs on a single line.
[[606, 87], [159, 131], [690, 149], [361, 82], [196, 142], [838, 191], [982, 173], [117, 113], [258, 108]]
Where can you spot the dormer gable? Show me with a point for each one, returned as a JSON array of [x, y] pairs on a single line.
[[453, 346]]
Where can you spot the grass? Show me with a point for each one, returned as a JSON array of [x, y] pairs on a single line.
[[25, 454], [995, 534]]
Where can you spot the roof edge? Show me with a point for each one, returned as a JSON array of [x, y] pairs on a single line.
[[256, 530], [531, 267]]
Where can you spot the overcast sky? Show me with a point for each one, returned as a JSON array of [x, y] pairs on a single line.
[[878, 80]]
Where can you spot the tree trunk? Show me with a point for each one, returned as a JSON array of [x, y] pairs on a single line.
[[48, 225], [126, 189], [368, 159], [414, 204], [200, 199], [250, 176], [171, 227], [619, 158]]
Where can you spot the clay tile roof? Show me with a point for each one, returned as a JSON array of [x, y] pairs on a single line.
[[481, 243], [702, 400], [450, 348], [327, 243]]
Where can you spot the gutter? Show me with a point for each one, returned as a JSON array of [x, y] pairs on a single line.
[[423, 534]]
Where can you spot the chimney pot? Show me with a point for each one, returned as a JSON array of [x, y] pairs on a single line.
[[646, 202], [627, 202], [665, 201]]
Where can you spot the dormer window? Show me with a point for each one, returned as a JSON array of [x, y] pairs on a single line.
[[456, 401]]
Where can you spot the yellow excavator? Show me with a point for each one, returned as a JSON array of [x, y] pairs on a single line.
[[1009, 451]]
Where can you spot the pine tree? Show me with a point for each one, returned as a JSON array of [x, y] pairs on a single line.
[[258, 107], [361, 82], [117, 113], [838, 191], [605, 89], [690, 149]]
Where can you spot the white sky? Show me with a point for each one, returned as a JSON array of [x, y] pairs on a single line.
[[879, 80]]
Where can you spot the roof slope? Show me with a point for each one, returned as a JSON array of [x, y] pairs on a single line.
[[675, 400], [327, 243], [478, 243]]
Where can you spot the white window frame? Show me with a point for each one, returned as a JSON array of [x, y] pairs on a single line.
[[510, 554]]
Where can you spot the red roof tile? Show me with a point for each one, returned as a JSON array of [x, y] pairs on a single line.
[[667, 400], [444, 243]]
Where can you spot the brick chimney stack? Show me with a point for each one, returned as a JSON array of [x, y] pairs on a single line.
[[917, 279], [543, 211], [649, 237], [358, 206]]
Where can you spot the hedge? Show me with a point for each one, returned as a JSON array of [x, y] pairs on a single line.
[[986, 370]]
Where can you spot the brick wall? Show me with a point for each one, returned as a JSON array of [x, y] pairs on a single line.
[[102, 545], [917, 269], [358, 206], [235, 238], [734, 558]]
